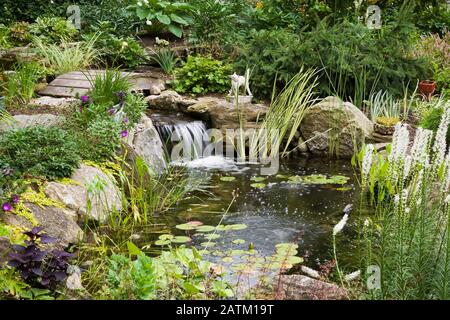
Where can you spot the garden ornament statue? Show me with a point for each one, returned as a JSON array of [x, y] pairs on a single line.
[[238, 82]]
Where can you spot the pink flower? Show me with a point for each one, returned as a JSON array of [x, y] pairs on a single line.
[[124, 134], [84, 99], [15, 198], [6, 207]]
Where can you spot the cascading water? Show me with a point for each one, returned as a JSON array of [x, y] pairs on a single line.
[[188, 134], [184, 134]]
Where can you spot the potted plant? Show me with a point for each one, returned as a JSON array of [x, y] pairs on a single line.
[[427, 88], [385, 125]]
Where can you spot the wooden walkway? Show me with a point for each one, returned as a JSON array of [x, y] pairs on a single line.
[[79, 82]]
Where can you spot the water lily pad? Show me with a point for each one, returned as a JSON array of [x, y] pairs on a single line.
[[212, 236], [238, 241], [227, 179], [185, 226], [236, 227], [257, 179], [162, 242], [258, 185], [195, 223], [343, 189], [165, 237], [205, 228], [318, 179], [208, 244], [281, 176], [204, 252], [237, 252], [227, 259], [181, 239]]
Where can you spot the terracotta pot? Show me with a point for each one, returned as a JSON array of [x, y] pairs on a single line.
[[427, 87]]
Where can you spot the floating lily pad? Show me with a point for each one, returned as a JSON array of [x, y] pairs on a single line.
[[227, 259], [204, 252], [343, 189], [181, 239], [237, 252], [208, 244], [205, 228], [195, 223], [212, 236], [165, 237], [318, 179], [236, 227], [257, 179], [162, 242], [227, 179], [281, 176], [238, 241], [258, 185], [185, 226]]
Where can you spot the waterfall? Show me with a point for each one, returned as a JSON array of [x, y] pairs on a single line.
[[185, 135]]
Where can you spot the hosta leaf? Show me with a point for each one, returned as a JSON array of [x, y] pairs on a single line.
[[177, 31], [178, 19], [164, 19]]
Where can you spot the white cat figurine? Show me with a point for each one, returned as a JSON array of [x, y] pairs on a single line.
[[238, 81]]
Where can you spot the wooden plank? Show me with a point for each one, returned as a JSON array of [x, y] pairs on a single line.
[[62, 91], [71, 83]]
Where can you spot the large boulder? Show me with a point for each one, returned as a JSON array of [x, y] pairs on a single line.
[[168, 100], [143, 141], [5, 248], [24, 121], [298, 287], [59, 223], [223, 114], [78, 196], [55, 105], [335, 127]]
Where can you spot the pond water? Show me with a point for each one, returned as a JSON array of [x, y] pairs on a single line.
[[278, 212]]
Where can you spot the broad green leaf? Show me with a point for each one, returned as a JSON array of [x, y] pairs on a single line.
[[177, 31], [133, 249]]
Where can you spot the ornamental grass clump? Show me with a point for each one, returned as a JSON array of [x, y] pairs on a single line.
[[408, 238]]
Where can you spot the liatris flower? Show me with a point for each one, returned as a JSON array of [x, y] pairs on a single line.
[[340, 225], [367, 163], [84, 99], [419, 150], [124, 134], [440, 142], [352, 276], [310, 272], [6, 207], [15, 198]]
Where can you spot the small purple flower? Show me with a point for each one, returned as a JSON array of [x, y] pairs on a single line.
[[15, 198], [84, 99], [124, 134], [6, 207], [125, 120], [112, 111]]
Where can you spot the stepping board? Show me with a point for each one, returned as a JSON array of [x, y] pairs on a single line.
[[77, 82]]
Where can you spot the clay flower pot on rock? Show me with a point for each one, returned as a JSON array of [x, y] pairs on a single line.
[[427, 88]]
